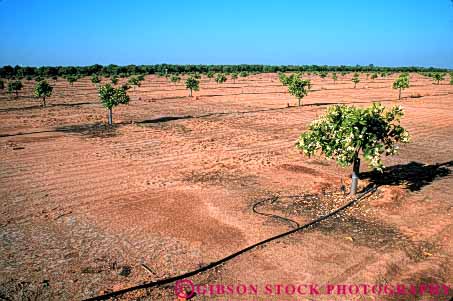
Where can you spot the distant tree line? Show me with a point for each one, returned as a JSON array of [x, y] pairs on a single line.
[[164, 69]]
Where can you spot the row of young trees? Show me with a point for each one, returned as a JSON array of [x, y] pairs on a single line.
[[344, 133], [110, 70], [297, 86]]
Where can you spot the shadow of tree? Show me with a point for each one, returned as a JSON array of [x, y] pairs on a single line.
[[414, 175], [95, 130]]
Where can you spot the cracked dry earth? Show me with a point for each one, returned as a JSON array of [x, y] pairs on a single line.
[[84, 205]]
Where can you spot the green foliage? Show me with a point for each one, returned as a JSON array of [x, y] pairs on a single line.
[[334, 77], [175, 79], [72, 79], [2, 85], [192, 84], [15, 86], [39, 78], [220, 78], [286, 80], [43, 90], [234, 76], [401, 83], [283, 78], [243, 74], [95, 79], [346, 131], [451, 78], [374, 75], [141, 77], [210, 74], [323, 74], [355, 79], [114, 79], [298, 87], [438, 77], [29, 77], [111, 97], [134, 81], [162, 69]]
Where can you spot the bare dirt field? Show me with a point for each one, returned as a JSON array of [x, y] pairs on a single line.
[[173, 183]]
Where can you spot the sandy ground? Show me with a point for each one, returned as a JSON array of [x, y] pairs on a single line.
[[172, 186]]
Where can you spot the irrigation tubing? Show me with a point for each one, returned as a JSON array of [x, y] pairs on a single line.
[[368, 190], [272, 200]]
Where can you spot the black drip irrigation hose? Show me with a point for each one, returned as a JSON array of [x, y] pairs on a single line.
[[214, 264], [272, 200]]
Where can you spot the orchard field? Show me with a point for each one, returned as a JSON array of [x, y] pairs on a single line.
[[172, 184]]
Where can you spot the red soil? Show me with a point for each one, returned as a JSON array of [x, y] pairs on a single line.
[[83, 206]]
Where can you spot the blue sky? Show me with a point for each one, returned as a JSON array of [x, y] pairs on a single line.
[[85, 32]]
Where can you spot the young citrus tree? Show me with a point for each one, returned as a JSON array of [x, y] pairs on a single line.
[[401, 83], [72, 79], [438, 77], [299, 88], [323, 74], [43, 90], [111, 97], [451, 78], [286, 80], [15, 86], [175, 79], [346, 132], [210, 75], [374, 76], [114, 79], [220, 78], [192, 84], [95, 80], [355, 79], [334, 77], [283, 78], [134, 81], [243, 74], [234, 77]]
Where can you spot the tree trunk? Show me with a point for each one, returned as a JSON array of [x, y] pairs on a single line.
[[355, 84], [44, 101], [110, 116], [399, 96], [190, 92], [298, 101], [355, 175], [17, 93]]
